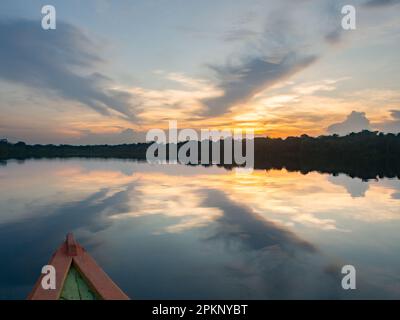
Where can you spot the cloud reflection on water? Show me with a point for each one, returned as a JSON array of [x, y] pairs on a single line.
[[274, 227]]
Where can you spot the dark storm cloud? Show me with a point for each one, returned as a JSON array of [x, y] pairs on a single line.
[[61, 60], [240, 82]]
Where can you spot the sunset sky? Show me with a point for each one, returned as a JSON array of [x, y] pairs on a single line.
[[113, 70]]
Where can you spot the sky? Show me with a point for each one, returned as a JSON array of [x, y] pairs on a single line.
[[111, 71]]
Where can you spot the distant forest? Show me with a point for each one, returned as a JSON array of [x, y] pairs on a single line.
[[367, 155]]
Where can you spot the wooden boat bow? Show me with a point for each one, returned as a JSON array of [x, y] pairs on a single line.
[[78, 277]]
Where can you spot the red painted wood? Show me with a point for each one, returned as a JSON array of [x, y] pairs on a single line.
[[97, 278], [72, 249], [61, 262], [69, 253]]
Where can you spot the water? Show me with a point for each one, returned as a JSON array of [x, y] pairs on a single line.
[[172, 231]]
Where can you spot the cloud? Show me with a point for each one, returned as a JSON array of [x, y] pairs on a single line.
[[180, 103], [334, 36], [396, 195], [46, 230], [240, 35], [312, 87], [288, 44], [274, 253], [355, 187], [392, 125], [381, 3], [119, 137], [60, 61], [355, 122], [395, 114], [240, 223], [311, 220], [241, 82]]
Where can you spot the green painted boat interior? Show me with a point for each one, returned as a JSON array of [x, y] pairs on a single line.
[[76, 288]]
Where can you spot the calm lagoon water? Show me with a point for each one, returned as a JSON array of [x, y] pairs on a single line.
[[174, 231]]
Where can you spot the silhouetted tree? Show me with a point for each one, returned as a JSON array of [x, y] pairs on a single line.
[[366, 154]]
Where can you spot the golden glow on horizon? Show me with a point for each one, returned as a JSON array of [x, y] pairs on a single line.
[[279, 115], [302, 109]]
